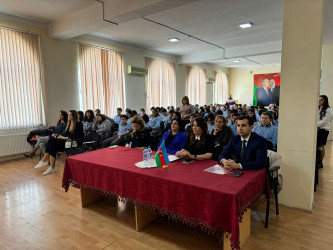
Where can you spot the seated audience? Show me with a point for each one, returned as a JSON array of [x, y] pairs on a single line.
[[221, 134], [121, 137], [175, 139], [117, 118], [43, 141], [139, 137], [266, 129], [102, 126], [80, 115], [199, 145], [129, 114], [88, 121], [249, 148], [155, 122], [142, 112], [233, 124], [167, 123], [97, 111], [210, 122], [74, 130], [164, 115], [146, 120], [252, 115]]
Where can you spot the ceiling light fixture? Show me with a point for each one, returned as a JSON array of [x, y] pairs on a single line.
[[236, 61], [246, 25], [174, 39]]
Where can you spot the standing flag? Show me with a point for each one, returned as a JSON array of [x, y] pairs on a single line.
[[161, 156]]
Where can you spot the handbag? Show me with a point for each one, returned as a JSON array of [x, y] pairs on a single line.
[[70, 144]]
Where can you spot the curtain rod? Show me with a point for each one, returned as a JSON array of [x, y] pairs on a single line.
[[19, 30], [100, 47]]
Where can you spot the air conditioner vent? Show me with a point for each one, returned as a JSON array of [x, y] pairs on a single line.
[[137, 71]]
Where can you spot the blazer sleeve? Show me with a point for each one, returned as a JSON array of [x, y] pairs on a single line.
[[228, 150], [260, 157]]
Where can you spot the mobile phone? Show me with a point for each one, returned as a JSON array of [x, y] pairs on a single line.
[[237, 174], [187, 161]]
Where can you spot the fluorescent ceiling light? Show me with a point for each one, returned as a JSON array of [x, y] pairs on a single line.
[[237, 61], [246, 25], [174, 39]]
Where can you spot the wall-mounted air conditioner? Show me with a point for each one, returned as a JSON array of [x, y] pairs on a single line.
[[137, 71], [210, 80]]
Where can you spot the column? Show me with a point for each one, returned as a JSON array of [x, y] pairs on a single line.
[[300, 74]]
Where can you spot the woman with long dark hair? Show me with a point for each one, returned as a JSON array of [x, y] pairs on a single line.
[[74, 130], [324, 125], [43, 141], [200, 145], [88, 121], [221, 134], [139, 137]]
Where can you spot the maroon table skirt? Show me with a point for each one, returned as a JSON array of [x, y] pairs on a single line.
[[183, 192]]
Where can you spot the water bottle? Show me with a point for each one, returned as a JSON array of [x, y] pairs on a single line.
[[150, 156], [145, 157]]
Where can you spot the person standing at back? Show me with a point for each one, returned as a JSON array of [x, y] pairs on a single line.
[[325, 116], [186, 110]]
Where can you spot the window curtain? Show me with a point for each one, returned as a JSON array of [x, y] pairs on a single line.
[[102, 79], [160, 84], [196, 85], [220, 88], [20, 81]]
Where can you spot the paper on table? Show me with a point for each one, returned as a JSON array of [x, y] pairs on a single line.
[[217, 169], [151, 164], [173, 158]]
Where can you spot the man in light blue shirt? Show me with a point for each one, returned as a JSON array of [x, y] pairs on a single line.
[[155, 122], [120, 138], [266, 129], [117, 118]]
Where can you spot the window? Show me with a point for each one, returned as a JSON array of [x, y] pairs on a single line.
[[196, 85], [20, 81], [160, 84], [220, 88], [102, 79]]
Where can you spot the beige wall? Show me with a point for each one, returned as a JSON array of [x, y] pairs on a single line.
[[241, 82], [60, 58], [327, 77]]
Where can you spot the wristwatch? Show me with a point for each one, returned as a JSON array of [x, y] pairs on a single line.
[[195, 157]]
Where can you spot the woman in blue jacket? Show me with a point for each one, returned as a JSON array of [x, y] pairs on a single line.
[[175, 139]]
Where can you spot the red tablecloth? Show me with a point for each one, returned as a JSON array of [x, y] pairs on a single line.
[[183, 192]]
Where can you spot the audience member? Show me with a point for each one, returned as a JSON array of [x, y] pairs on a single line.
[[155, 123], [121, 137], [210, 122], [221, 134], [139, 136], [74, 130], [88, 121], [186, 110], [43, 140], [266, 129], [102, 126], [117, 118]]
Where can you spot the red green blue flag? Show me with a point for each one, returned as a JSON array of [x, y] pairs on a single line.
[[161, 156]]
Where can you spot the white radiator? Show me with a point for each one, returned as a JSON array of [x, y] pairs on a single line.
[[11, 144]]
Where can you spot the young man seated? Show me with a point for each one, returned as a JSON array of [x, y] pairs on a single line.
[[121, 137], [249, 148], [267, 130]]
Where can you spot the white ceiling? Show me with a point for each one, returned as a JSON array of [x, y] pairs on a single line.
[[214, 21]]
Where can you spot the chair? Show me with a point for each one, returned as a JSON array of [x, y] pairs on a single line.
[[93, 140], [275, 180]]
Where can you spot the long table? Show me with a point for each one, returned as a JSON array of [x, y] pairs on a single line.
[[182, 192]]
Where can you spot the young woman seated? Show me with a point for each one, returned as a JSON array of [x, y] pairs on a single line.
[[102, 126], [139, 136], [88, 121], [43, 141], [221, 134], [175, 139], [74, 130], [200, 145]]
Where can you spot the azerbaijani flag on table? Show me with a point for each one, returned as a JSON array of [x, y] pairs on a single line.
[[161, 156]]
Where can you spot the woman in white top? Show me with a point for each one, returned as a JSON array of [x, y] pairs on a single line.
[[324, 125]]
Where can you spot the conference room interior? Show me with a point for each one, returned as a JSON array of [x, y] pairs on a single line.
[[38, 214]]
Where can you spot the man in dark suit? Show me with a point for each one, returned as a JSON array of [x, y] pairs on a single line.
[[263, 95], [275, 92], [249, 148]]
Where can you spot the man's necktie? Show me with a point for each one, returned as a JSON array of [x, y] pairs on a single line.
[[243, 150]]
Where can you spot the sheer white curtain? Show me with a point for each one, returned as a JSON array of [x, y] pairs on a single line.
[[196, 85], [102, 79], [20, 81], [220, 88], [160, 84]]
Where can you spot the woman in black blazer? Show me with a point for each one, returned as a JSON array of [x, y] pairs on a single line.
[[74, 130]]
